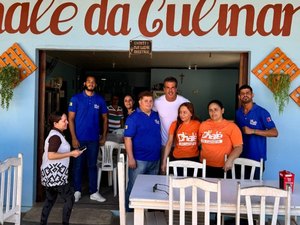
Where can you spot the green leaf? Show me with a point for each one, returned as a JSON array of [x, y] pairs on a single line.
[[280, 86], [9, 78]]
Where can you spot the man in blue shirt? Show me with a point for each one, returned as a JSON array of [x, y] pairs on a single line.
[[85, 111], [142, 141], [256, 124]]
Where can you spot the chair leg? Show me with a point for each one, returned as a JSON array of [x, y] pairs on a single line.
[[126, 173], [110, 175], [115, 181], [99, 179]]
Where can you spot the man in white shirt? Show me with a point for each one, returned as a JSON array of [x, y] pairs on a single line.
[[167, 107]]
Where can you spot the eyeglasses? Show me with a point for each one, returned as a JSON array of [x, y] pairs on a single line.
[[155, 188]]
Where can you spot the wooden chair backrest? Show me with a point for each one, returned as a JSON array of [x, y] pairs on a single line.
[[11, 173], [195, 184], [185, 164], [262, 194]]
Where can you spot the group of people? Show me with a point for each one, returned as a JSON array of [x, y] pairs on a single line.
[[88, 118], [156, 129], [171, 121]]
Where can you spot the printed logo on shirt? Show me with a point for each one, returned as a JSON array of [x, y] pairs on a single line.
[[253, 122], [269, 119], [157, 121], [209, 138], [70, 104], [126, 127], [186, 140], [96, 106]]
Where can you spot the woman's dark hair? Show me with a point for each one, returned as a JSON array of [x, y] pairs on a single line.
[[215, 101], [54, 117], [190, 107]]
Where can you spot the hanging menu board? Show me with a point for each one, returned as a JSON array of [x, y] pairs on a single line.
[[140, 47]]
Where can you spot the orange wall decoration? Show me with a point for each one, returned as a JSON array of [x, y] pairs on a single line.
[[277, 62], [16, 57], [295, 95]]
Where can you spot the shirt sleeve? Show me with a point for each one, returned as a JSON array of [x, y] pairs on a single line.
[[236, 135], [72, 105], [130, 127], [104, 108], [267, 120], [54, 143]]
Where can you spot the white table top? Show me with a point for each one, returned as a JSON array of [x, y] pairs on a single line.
[[143, 197]]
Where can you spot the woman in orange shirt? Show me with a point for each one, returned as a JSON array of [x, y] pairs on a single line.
[[183, 133], [219, 137]]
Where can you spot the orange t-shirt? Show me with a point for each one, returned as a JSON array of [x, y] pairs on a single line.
[[186, 143], [217, 140]]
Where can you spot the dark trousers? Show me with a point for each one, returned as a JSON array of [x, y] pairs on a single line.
[[67, 194]]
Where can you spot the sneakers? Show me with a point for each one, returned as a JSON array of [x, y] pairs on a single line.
[[77, 195], [97, 197]]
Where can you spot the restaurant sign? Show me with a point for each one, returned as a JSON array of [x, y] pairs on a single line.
[[140, 47]]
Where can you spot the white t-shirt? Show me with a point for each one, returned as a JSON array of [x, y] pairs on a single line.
[[168, 112]]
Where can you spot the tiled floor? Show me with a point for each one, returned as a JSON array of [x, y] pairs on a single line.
[[85, 211]]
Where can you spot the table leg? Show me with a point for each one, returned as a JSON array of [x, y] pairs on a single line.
[[138, 216]]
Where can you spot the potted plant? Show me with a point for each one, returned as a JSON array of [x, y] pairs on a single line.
[[9, 78], [280, 86]]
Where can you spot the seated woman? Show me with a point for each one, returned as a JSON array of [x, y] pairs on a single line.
[[183, 133], [219, 137]]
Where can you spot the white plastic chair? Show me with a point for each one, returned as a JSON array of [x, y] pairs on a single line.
[[243, 162], [106, 163], [118, 131], [185, 164], [260, 195], [152, 218], [195, 184]]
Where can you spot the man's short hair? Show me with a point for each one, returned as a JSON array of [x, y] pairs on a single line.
[[144, 94], [245, 86], [171, 79]]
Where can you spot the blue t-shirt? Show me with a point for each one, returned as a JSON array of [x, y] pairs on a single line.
[[145, 133], [255, 146], [88, 111]]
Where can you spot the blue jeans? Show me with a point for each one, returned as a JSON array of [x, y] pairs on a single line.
[[89, 156], [142, 167]]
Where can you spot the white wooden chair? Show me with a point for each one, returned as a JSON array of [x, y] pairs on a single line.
[[106, 162], [195, 184], [243, 162], [260, 195], [11, 172], [152, 218], [185, 165]]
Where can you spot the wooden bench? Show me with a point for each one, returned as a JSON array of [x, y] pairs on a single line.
[[11, 190]]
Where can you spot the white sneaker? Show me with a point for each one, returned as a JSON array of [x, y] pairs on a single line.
[[77, 195], [97, 197]]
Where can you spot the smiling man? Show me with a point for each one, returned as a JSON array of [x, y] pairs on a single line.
[[142, 141], [167, 107], [256, 124], [85, 111]]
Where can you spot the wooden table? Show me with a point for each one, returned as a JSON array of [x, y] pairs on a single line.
[[142, 196]]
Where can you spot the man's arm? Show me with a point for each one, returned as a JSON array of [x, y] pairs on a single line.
[[75, 142], [266, 133], [129, 151], [104, 128]]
